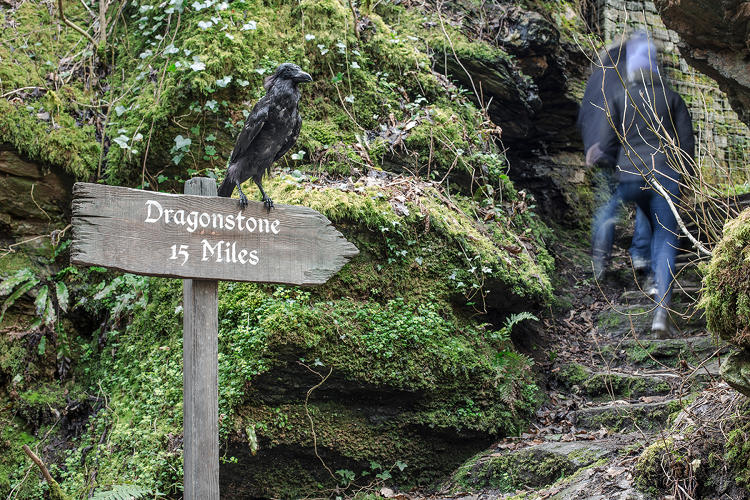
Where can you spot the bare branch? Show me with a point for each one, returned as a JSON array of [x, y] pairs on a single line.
[[74, 25]]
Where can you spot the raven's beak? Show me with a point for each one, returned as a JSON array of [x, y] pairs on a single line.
[[302, 77]]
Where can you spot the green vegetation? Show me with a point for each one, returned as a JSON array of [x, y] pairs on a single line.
[[531, 467], [177, 83], [611, 385], [737, 452], [726, 296], [398, 338]]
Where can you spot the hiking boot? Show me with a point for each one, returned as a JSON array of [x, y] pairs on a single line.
[[649, 288], [600, 265], [662, 327]]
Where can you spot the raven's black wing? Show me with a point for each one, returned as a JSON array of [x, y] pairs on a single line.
[[255, 121], [291, 138]]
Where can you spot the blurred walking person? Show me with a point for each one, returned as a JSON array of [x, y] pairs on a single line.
[[602, 86], [652, 132]]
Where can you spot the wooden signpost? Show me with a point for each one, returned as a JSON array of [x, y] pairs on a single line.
[[202, 239]]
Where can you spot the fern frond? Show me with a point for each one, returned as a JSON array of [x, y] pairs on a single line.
[[123, 492], [514, 319]]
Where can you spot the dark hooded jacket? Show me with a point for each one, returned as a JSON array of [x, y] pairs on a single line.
[[605, 81], [647, 107]]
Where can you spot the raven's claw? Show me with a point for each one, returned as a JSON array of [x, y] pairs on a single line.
[[268, 203], [243, 201]]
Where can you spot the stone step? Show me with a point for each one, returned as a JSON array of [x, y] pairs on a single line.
[[659, 353], [629, 319], [610, 385], [690, 291], [532, 466], [622, 416]]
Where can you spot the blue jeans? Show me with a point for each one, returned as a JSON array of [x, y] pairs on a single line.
[[604, 185], [640, 247], [664, 241]]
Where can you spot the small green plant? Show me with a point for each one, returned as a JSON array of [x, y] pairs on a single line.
[[125, 492], [503, 334]]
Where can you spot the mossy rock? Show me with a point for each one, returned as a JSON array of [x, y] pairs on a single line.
[[655, 353], [532, 467], [413, 371], [630, 417], [603, 385], [735, 370], [726, 286]]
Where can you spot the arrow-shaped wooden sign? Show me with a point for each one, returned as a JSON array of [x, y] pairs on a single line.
[[204, 237]]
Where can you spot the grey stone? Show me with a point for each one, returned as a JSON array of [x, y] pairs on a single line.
[[736, 371]]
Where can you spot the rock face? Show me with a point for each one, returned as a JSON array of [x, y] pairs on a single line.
[[530, 76], [715, 40], [534, 466], [32, 200]]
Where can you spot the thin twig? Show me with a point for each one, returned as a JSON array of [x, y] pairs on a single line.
[[74, 25]]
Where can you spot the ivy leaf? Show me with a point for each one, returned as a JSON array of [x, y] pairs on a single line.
[[41, 300], [401, 465], [198, 66], [223, 82], [385, 475], [122, 141], [182, 142], [62, 295], [250, 25], [204, 25], [120, 110]]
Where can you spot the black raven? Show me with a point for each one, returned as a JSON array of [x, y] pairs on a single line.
[[270, 130]]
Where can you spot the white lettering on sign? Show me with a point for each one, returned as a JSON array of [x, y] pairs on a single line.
[[224, 251], [221, 251], [192, 221]]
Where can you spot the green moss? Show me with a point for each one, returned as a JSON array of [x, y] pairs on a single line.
[[726, 286], [649, 475], [737, 448], [610, 385], [532, 467]]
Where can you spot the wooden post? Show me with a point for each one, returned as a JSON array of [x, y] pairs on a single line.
[[200, 377]]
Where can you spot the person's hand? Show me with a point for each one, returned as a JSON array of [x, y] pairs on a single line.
[[593, 155]]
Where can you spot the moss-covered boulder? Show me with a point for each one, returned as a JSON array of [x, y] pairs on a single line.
[[726, 298], [400, 365], [726, 286], [384, 364], [530, 467]]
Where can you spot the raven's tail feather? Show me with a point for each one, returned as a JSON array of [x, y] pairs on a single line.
[[226, 188]]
